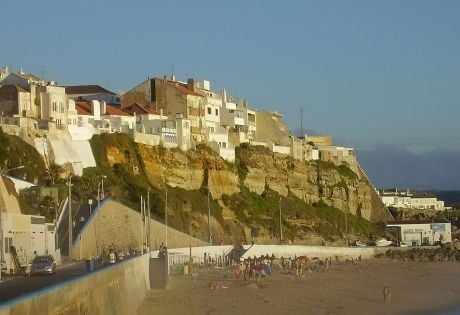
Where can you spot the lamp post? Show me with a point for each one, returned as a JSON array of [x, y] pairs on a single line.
[[3, 172], [209, 221], [69, 183], [346, 227], [166, 212], [90, 203], [281, 224], [102, 187]]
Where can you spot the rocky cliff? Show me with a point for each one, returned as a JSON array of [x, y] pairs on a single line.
[[272, 195], [249, 193]]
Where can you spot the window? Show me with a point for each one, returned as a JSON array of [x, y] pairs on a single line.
[[8, 243], [209, 110], [217, 112]]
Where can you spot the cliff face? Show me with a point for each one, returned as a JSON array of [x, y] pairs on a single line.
[[250, 193], [337, 186], [258, 170]]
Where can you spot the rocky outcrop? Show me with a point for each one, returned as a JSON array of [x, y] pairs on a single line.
[[336, 185]]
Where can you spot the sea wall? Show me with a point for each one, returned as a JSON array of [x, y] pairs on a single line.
[[181, 255], [117, 289]]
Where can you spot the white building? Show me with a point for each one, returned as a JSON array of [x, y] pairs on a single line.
[[53, 104], [415, 233], [405, 199], [30, 236]]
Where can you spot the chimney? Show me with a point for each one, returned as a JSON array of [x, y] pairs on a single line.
[[96, 109], [191, 84], [103, 107]]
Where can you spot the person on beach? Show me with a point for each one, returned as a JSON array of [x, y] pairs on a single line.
[[112, 258]]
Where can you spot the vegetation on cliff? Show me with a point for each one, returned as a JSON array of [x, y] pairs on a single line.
[[15, 152], [192, 178]]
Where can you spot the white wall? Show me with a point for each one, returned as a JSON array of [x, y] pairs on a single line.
[[26, 237], [417, 232], [281, 149]]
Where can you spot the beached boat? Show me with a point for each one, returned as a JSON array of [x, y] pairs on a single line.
[[360, 244], [382, 243]]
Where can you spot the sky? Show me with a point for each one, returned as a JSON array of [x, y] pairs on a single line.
[[382, 77]]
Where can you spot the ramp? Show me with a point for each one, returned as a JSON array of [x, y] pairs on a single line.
[[17, 265]]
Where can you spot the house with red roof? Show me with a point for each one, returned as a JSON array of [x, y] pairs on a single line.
[[92, 92], [154, 128], [94, 117], [171, 97]]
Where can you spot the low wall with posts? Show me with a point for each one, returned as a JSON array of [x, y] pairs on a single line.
[[117, 289]]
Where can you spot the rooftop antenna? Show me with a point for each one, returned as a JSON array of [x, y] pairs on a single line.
[[43, 71], [301, 120], [172, 72]]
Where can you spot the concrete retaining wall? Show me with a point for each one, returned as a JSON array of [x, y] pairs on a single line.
[[118, 289], [114, 225]]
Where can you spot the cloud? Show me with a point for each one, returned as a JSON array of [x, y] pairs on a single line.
[[390, 166]]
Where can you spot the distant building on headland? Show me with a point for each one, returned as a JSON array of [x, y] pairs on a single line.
[[421, 232], [398, 198]]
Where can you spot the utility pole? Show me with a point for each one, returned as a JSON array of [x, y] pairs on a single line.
[[281, 224], [69, 183], [149, 243], [142, 226], [346, 227], [166, 214], [209, 221]]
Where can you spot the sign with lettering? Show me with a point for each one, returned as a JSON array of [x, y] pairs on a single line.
[[438, 227], [412, 231]]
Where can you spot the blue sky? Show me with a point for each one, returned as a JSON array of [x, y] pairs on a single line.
[[380, 76]]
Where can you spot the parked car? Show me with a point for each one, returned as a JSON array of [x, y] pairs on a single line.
[[43, 265]]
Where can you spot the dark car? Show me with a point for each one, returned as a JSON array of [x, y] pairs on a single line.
[[43, 265]]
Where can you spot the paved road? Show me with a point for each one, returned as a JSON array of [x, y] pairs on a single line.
[[16, 286]]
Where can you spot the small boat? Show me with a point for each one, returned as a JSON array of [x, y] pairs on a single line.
[[383, 242], [360, 244]]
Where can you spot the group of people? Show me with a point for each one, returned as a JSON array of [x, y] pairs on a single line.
[[254, 268]]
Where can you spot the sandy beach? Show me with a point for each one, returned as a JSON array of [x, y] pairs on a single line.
[[415, 288]]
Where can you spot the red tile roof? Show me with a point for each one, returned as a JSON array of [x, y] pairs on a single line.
[[139, 109], [184, 89], [83, 108], [110, 110], [86, 89]]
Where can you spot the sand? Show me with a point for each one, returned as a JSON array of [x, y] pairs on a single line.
[[415, 288]]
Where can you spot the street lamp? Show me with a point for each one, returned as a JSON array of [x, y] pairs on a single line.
[[3, 172], [90, 203], [102, 187], [69, 183], [166, 212], [281, 224], [209, 221]]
